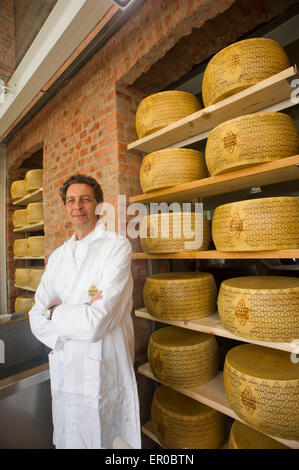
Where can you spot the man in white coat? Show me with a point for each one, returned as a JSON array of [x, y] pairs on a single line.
[[82, 312]]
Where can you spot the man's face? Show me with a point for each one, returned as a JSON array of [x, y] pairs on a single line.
[[80, 205]]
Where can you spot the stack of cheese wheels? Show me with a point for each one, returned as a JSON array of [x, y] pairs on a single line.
[[22, 277], [36, 273], [19, 218], [182, 357], [170, 167], [264, 308], [24, 303], [244, 437], [179, 422], [270, 223], [33, 180], [20, 248], [161, 109], [174, 231], [18, 190], [35, 212], [240, 66], [262, 386], [250, 140], [36, 246], [180, 296]]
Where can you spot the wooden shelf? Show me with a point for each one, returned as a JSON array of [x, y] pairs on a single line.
[[148, 431], [36, 196], [279, 171], [211, 394], [25, 288], [31, 228], [272, 94], [29, 257], [212, 325], [214, 254]]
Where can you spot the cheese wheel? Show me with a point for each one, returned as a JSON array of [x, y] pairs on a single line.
[[24, 303], [262, 386], [35, 212], [19, 218], [180, 296], [173, 232], [241, 65], [20, 247], [161, 109], [179, 422], [182, 357], [22, 277], [244, 437], [264, 308], [36, 246], [170, 167], [34, 180], [36, 273], [18, 190], [270, 223], [249, 140]]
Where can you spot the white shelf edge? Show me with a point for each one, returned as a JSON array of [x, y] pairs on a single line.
[[31, 228], [205, 325], [29, 257], [203, 394], [25, 288]]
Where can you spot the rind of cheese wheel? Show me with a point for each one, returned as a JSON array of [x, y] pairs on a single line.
[[250, 140], [241, 65], [259, 224], [262, 386], [175, 231], [245, 437], [18, 190], [264, 308], [171, 166], [24, 303], [35, 212], [178, 356], [179, 422], [20, 247], [20, 218], [180, 296]]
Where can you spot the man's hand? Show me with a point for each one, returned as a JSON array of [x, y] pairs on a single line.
[[55, 302], [98, 296]]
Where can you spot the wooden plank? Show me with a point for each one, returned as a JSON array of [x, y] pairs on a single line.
[[148, 431], [36, 196], [211, 394], [212, 325], [278, 171], [214, 254], [25, 288], [256, 98], [31, 228], [28, 257]]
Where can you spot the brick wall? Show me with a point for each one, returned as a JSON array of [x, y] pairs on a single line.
[[87, 125], [7, 32]]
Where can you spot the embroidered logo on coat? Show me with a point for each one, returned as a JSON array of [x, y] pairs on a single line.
[[92, 291]]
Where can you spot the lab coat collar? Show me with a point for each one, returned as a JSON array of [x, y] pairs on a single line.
[[98, 232]]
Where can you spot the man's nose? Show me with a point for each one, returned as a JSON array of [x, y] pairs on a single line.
[[77, 204]]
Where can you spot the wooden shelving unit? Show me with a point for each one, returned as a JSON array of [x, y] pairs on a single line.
[[272, 94], [285, 169], [212, 325], [213, 254], [36, 196], [28, 257], [31, 228], [211, 394]]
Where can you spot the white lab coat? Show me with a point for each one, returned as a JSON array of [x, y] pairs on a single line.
[[93, 385]]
